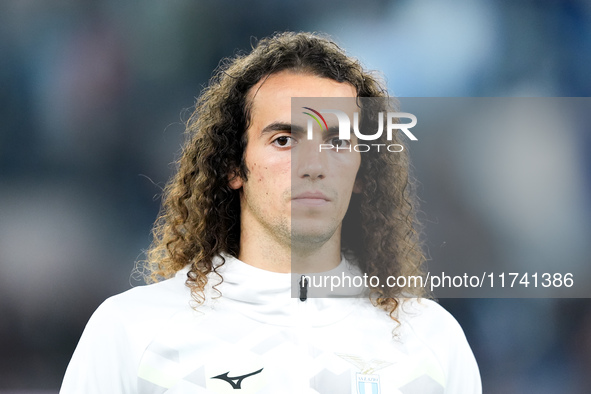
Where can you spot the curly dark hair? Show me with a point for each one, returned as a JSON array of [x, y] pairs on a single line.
[[200, 215]]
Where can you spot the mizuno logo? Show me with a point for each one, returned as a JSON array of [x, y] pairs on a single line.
[[235, 381]]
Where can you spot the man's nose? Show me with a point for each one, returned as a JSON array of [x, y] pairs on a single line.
[[308, 161]]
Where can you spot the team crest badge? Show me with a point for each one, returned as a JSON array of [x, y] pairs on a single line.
[[366, 381], [367, 384]]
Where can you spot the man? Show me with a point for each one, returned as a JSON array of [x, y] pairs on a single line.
[[254, 200]]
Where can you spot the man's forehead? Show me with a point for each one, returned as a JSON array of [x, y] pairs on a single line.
[[271, 100]]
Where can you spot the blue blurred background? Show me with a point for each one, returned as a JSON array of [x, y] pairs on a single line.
[[93, 95]]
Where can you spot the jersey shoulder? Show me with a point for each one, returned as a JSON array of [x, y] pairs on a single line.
[[428, 319], [429, 323], [114, 339], [134, 316], [152, 299]]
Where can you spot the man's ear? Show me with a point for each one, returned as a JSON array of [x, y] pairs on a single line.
[[235, 181]]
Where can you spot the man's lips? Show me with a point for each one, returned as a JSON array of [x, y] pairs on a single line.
[[311, 198]]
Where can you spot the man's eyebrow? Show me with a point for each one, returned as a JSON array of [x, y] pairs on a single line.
[[281, 126], [333, 130], [294, 129]]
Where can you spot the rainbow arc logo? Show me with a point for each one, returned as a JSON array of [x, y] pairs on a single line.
[[316, 119]]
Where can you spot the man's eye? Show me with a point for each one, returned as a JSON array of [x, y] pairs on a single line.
[[337, 142], [283, 141]]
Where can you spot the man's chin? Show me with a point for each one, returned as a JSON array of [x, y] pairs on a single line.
[[310, 237]]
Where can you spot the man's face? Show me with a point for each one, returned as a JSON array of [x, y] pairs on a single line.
[[294, 194]]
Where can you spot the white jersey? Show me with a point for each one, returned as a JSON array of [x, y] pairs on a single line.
[[256, 338]]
